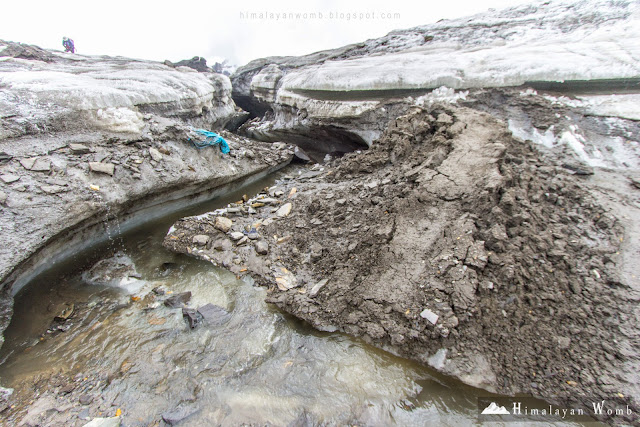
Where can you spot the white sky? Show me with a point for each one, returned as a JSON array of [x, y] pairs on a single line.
[[181, 29]]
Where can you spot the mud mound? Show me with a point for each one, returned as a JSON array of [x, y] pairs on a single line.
[[452, 244]]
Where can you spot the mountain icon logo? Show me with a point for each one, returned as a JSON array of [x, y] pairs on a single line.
[[494, 409]]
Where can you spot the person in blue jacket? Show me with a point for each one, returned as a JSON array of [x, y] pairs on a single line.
[[68, 45]]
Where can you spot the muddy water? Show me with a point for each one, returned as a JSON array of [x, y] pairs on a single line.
[[260, 366]]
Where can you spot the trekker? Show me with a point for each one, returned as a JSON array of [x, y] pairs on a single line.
[[68, 45]]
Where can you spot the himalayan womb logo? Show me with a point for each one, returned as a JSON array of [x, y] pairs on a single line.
[[494, 409]]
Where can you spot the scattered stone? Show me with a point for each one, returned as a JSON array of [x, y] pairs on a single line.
[[52, 189], [578, 168], [315, 252], [249, 154], [164, 151], [155, 154], [200, 239], [79, 149], [178, 300], [236, 235], [4, 157], [279, 145], [300, 155], [213, 314], [253, 235], [242, 241], [284, 239], [41, 165], [285, 279], [28, 163], [316, 288], [262, 247], [179, 414], [158, 290], [223, 224], [9, 178], [316, 221], [192, 317], [106, 168], [429, 315], [65, 313], [104, 422], [284, 210], [3, 197]]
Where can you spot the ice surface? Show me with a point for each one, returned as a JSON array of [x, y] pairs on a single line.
[[107, 91], [554, 41]]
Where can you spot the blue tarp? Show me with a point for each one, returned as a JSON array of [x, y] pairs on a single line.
[[211, 138]]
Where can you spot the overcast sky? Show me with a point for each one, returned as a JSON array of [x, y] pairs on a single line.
[[181, 29]]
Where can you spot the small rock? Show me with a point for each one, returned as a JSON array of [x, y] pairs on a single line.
[[85, 399], [285, 279], [279, 145], [179, 414], [9, 178], [4, 157], [158, 290], [249, 154], [155, 154], [28, 163], [223, 224], [284, 210], [212, 314], [52, 189], [262, 247], [178, 300], [192, 317], [41, 165], [242, 241], [106, 168], [236, 235], [299, 154], [429, 315], [79, 149], [200, 239], [104, 422], [253, 235], [284, 239], [3, 197], [316, 288], [164, 151]]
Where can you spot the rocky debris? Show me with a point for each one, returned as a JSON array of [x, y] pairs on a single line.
[[9, 178], [429, 315], [262, 247], [284, 210], [155, 154], [3, 197], [444, 242], [27, 51], [179, 414], [223, 224], [104, 422], [213, 314], [198, 63], [105, 168], [79, 149], [85, 399], [192, 316], [200, 239], [178, 300]]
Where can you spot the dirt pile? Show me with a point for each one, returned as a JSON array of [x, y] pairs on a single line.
[[450, 243]]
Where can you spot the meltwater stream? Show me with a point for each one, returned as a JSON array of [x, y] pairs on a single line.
[[260, 367]]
